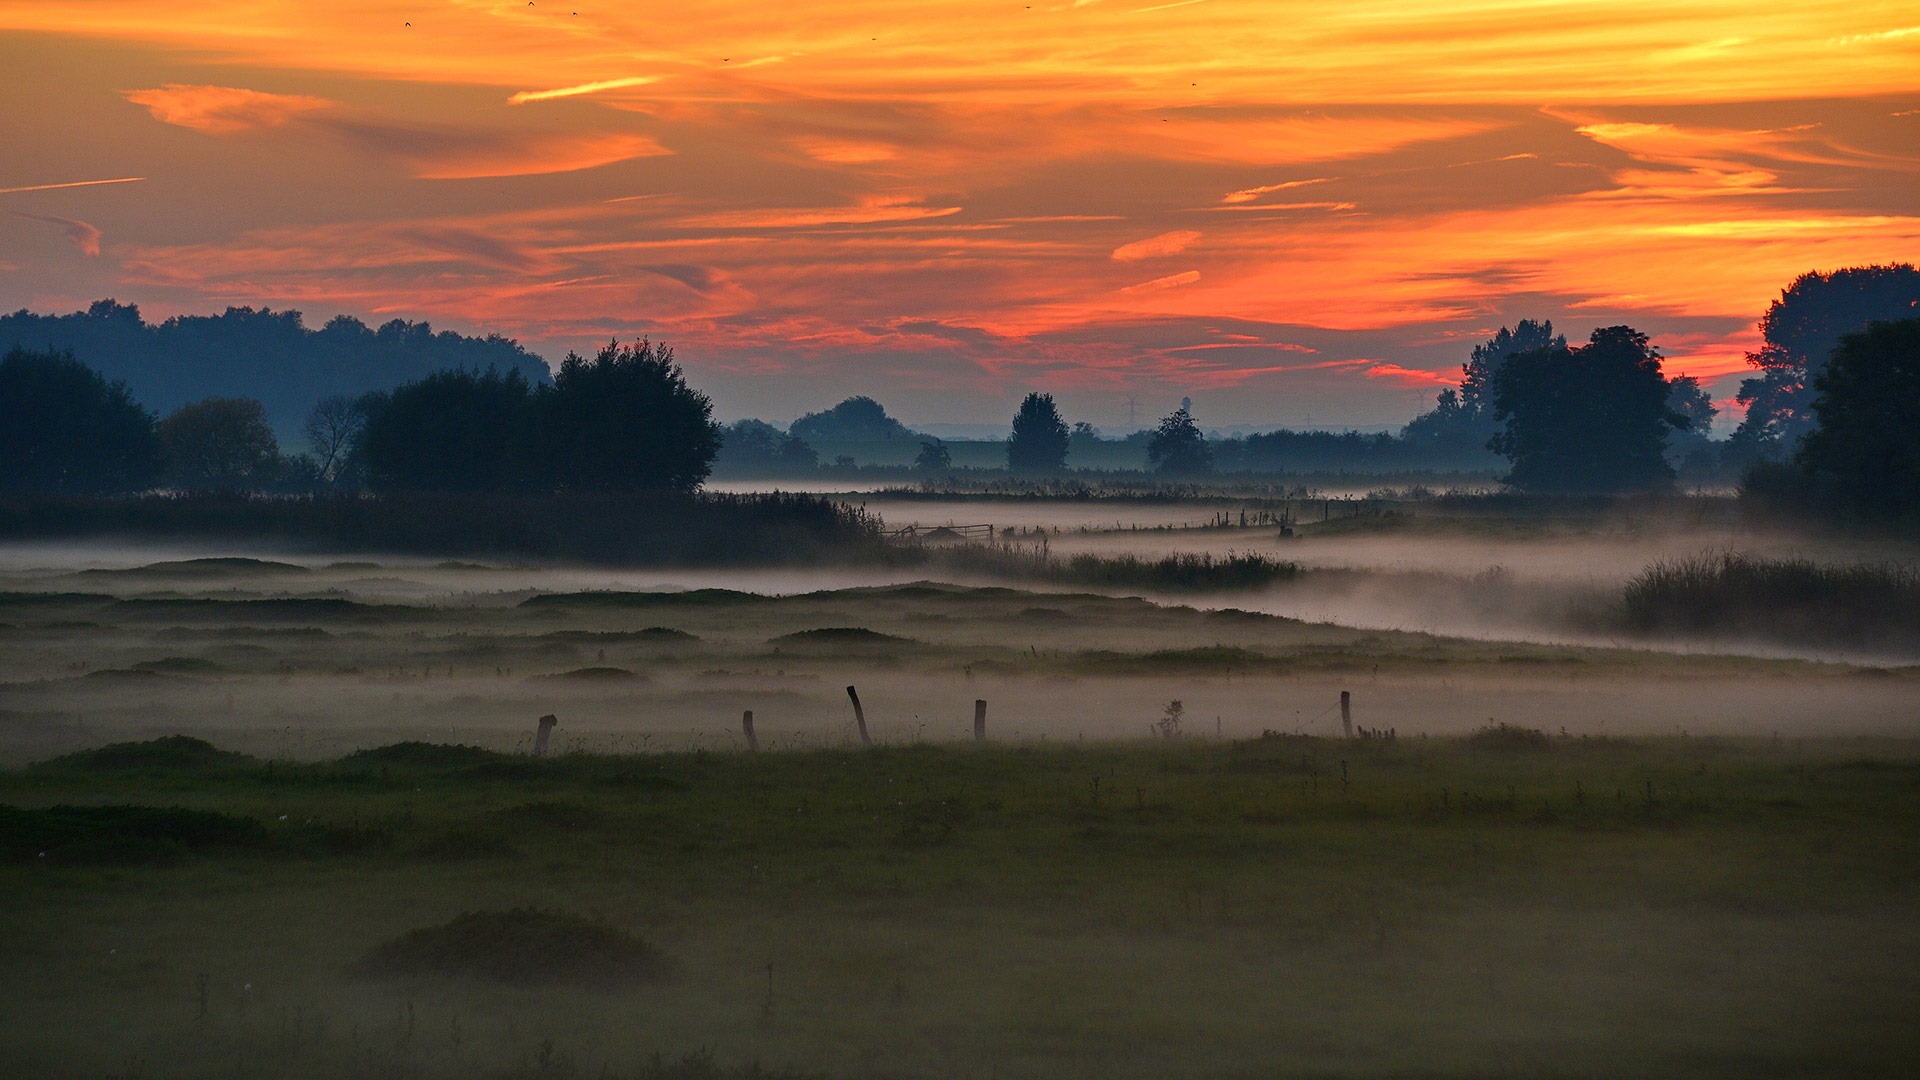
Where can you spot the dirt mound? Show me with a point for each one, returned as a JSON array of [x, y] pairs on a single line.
[[525, 946]]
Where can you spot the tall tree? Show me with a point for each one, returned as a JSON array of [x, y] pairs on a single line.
[[857, 419], [626, 420], [333, 427], [1801, 329], [1586, 419], [1867, 445], [451, 431], [1461, 422], [220, 444], [66, 430], [1178, 448], [1039, 440]]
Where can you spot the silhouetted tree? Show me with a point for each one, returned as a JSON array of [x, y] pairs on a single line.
[[1461, 423], [1866, 449], [1800, 330], [220, 444], [1039, 440], [1178, 448], [333, 427], [1587, 419], [626, 420], [755, 446], [252, 352], [1691, 449], [857, 419], [66, 430], [451, 431], [934, 457]]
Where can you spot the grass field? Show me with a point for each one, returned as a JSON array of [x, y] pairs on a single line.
[[1508, 903]]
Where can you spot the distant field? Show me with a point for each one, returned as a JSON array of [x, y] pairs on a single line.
[[1509, 903]]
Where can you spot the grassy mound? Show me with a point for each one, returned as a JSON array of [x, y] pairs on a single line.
[[423, 755], [524, 946], [614, 599], [842, 635], [599, 674], [121, 835], [171, 753]]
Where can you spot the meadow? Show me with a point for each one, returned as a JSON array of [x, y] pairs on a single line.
[[277, 812]]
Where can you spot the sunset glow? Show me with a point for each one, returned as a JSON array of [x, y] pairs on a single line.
[[1280, 209]]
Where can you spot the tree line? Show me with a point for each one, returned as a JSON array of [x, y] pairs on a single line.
[[623, 420]]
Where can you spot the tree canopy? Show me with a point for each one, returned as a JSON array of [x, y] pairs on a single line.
[[1462, 421], [625, 420], [451, 431], [757, 447], [220, 444], [1800, 331], [64, 429], [1588, 419], [1039, 440], [857, 419], [270, 356], [1178, 448], [1866, 448]]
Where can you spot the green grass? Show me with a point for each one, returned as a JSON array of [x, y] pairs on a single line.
[[1510, 903], [1179, 572]]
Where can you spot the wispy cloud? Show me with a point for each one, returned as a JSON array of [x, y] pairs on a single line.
[[223, 110], [1171, 281], [84, 236], [525, 96], [1167, 243]]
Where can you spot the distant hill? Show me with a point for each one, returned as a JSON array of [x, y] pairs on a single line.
[[257, 353]]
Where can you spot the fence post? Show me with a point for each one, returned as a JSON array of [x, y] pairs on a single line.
[[540, 737], [980, 720], [746, 725], [859, 716], [1346, 713]]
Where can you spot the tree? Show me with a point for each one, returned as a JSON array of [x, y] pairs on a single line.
[[934, 457], [1691, 449], [451, 431], [857, 419], [1039, 440], [220, 444], [1177, 447], [1801, 329], [1587, 419], [626, 420], [1462, 421], [66, 430], [333, 429], [1866, 448], [755, 446]]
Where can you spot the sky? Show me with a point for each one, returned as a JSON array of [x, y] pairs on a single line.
[[1300, 214]]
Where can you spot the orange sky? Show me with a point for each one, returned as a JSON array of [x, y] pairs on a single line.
[[1286, 211]]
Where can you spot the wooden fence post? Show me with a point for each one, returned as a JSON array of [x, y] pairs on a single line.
[[859, 716], [1346, 713], [547, 723], [746, 725], [980, 720]]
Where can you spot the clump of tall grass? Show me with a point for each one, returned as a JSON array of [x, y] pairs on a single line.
[[1181, 572], [1784, 599]]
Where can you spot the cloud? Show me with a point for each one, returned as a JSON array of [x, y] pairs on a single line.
[[1406, 376], [445, 153], [477, 248], [1167, 243], [224, 110], [1249, 194], [874, 210], [1171, 281], [84, 236], [602, 86]]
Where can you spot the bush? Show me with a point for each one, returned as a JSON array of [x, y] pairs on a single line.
[[525, 946], [1792, 600]]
